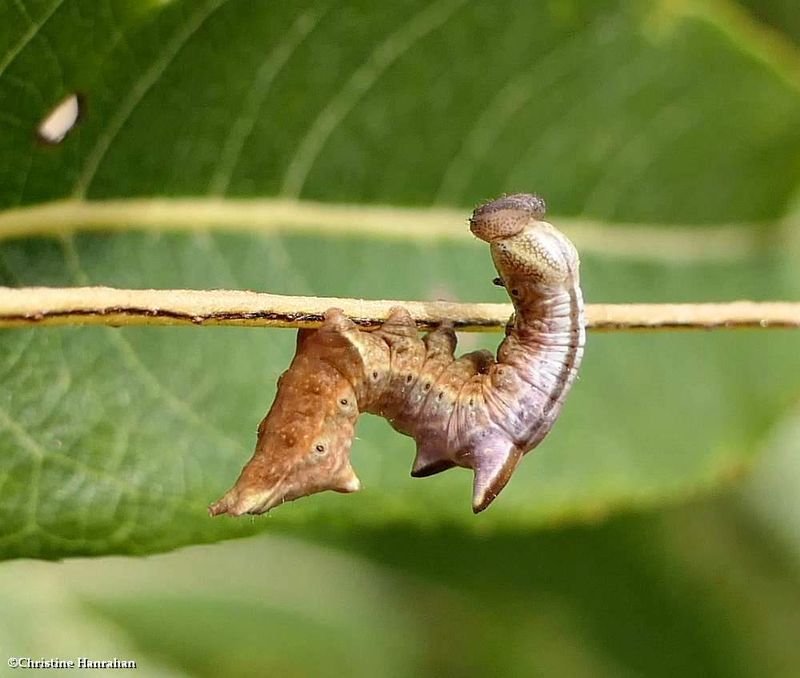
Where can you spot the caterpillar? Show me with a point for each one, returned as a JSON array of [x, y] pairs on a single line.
[[475, 411]]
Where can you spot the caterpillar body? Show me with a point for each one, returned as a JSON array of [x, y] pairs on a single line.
[[475, 411]]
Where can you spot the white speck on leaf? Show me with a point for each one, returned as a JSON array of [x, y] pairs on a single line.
[[59, 121]]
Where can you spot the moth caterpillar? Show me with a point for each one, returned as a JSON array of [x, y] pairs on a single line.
[[475, 411]]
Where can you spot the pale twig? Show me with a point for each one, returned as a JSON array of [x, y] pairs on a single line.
[[36, 306]]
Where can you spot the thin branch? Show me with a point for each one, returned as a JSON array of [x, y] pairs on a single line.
[[33, 306]]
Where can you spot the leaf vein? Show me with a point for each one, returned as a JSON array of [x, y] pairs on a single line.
[[29, 35], [243, 126], [137, 93], [137, 365], [394, 46]]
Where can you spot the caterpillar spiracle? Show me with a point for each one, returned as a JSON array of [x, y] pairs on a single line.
[[475, 411]]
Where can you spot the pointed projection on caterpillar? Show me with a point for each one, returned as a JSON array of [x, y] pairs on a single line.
[[475, 411]]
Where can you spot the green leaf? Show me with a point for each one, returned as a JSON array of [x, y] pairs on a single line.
[[114, 440]]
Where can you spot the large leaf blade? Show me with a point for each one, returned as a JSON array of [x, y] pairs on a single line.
[[114, 440]]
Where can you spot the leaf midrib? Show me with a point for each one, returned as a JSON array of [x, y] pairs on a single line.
[[650, 242]]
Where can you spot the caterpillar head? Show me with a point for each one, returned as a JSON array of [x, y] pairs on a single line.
[[303, 443], [522, 245]]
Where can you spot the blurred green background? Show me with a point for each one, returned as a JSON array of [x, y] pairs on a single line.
[[656, 532]]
